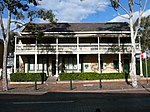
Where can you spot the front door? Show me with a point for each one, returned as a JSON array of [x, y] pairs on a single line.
[[53, 67], [126, 66]]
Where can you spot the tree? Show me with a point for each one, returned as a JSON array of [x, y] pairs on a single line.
[[130, 11], [18, 10], [144, 31]]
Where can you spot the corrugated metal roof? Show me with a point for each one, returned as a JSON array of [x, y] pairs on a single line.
[[79, 27]]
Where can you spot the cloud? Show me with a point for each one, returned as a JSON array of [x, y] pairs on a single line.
[[135, 17], [74, 10], [146, 13]]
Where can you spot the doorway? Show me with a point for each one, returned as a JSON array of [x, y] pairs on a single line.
[[126, 70], [53, 67], [126, 66]]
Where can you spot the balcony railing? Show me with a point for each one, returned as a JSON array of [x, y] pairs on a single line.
[[65, 48]]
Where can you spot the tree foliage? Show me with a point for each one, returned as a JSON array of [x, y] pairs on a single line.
[[144, 32], [20, 9], [17, 11], [115, 4]]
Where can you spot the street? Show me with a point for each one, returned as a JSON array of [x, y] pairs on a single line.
[[76, 102]]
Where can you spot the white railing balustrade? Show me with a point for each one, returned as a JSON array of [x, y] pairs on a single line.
[[25, 47], [103, 48], [88, 47], [67, 47], [46, 47]]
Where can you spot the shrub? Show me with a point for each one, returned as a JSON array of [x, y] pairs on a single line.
[[91, 76], [27, 77]]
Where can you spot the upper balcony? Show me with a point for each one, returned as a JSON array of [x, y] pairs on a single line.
[[102, 48]]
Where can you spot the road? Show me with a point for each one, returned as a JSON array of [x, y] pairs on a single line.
[[76, 102]]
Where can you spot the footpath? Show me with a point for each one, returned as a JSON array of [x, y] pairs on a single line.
[[104, 86]]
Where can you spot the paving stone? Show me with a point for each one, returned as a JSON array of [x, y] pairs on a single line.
[[77, 86]]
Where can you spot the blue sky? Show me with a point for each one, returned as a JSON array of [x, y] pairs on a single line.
[[85, 11]]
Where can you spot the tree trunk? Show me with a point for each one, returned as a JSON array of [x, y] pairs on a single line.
[[133, 58], [5, 80], [6, 41]]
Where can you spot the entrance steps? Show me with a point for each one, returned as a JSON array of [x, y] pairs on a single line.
[[51, 80]]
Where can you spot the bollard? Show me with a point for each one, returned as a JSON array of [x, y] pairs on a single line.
[[100, 83], [35, 85], [70, 84]]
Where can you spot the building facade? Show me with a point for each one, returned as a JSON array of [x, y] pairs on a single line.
[[74, 47]]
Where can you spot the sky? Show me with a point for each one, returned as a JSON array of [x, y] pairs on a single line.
[[86, 11]]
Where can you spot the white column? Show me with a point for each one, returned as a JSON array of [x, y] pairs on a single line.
[[15, 42], [35, 63], [78, 69], [120, 66], [99, 59], [15, 62], [78, 55], [36, 56], [15, 55], [57, 74]]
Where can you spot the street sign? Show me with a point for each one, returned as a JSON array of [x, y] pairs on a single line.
[[143, 55]]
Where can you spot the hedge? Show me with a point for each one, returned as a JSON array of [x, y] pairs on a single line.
[[27, 77], [91, 76]]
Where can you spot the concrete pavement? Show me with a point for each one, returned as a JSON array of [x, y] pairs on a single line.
[[106, 86]]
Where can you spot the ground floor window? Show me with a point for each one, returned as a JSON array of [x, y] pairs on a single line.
[[31, 66], [70, 63], [42, 64]]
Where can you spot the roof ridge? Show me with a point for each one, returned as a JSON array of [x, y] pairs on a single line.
[[79, 22]]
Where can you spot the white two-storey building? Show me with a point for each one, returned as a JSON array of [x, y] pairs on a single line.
[[74, 47]]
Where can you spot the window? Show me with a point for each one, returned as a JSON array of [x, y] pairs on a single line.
[[70, 63], [31, 64], [42, 64]]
